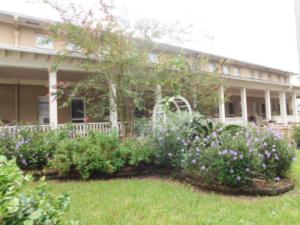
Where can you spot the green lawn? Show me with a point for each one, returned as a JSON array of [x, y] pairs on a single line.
[[154, 201]]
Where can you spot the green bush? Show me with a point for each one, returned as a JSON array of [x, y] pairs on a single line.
[[296, 134], [137, 151], [95, 153], [20, 207], [276, 153], [235, 156], [32, 149], [169, 137]]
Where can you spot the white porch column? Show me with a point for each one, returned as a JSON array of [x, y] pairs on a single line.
[[282, 102], [244, 104], [113, 112], [268, 105], [221, 104], [53, 98], [294, 106], [158, 95]]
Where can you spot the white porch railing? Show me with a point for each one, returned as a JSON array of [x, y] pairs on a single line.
[[231, 120], [289, 118], [78, 129]]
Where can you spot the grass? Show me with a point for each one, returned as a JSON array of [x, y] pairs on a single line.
[[163, 202]]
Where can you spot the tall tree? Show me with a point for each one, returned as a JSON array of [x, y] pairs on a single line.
[[131, 59]]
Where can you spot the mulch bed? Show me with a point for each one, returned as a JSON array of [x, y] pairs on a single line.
[[257, 188]]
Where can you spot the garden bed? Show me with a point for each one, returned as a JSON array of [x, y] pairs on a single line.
[[258, 187]]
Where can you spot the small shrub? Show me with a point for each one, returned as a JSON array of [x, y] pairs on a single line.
[[137, 151], [237, 155], [95, 153], [296, 134], [276, 153], [20, 207], [32, 149], [170, 138]]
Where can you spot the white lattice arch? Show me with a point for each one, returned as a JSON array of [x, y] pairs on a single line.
[[181, 105]]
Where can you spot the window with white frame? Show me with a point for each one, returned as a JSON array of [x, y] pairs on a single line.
[[43, 41], [212, 67], [78, 110], [153, 57], [237, 71], [226, 70], [43, 109]]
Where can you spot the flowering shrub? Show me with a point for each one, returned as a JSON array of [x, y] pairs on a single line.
[[32, 149], [235, 156], [170, 138], [275, 152], [18, 206]]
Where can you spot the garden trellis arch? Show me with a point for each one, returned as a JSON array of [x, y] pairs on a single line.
[[175, 103]]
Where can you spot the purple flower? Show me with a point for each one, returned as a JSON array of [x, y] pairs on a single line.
[[238, 178], [214, 134], [277, 178], [225, 152], [24, 162], [193, 161]]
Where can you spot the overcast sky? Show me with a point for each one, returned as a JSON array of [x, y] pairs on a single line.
[[257, 31]]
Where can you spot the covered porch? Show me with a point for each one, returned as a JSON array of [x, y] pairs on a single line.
[[240, 105], [29, 82]]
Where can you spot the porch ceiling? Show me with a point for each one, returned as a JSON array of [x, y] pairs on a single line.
[[20, 75], [234, 91]]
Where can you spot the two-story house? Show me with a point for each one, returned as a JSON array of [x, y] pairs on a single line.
[[28, 86]]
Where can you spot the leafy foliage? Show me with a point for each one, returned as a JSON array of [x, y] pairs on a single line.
[[234, 156], [137, 151], [100, 154], [296, 134], [18, 207], [32, 149]]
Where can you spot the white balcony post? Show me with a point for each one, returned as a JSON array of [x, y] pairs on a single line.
[[294, 106], [244, 105], [268, 105], [282, 102], [113, 112], [221, 104], [53, 97]]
